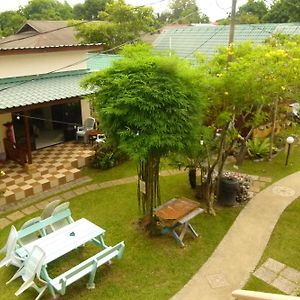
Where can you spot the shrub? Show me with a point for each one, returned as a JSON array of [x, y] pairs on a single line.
[[258, 148], [107, 156]]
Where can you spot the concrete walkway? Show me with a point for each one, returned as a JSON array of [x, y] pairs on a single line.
[[238, 253]]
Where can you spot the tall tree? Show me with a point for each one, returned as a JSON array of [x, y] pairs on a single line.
[[253, 8], [120, 23], [150, 105], [186, 12], [10, 22], [283, 11], [47, 10], [89, 10]]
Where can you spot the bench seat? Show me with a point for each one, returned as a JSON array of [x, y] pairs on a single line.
[[89, 266]]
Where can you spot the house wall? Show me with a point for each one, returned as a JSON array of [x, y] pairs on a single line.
[[4, 118], [85, 110], [39, 63]]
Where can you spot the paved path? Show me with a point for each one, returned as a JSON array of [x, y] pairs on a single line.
[[239, 252]]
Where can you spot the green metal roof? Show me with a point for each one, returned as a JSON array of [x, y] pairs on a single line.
[[29, 90], [208, 38], [98, 62]]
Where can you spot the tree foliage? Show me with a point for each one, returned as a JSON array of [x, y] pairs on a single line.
[[257, 11], [10, 22], [183, 12], [89, 10], [47, 10], [120, 23], [149, 105]]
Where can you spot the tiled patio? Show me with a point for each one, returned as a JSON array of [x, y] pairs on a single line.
[[54, 166]]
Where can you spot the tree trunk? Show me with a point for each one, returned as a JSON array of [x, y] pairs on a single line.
[[148, 186], [192, 177], [275, 108]]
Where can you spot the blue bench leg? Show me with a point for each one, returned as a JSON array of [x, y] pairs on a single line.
[[176, 237], [193, 230], [91, 284]]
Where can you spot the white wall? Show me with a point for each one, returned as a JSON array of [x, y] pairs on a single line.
[[85, 109], [39, 63]]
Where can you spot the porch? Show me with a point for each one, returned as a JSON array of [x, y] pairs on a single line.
[[52, 166]]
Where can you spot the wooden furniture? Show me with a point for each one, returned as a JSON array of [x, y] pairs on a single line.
[[63, 241], [92, 135], [177, 213], [15, 152]]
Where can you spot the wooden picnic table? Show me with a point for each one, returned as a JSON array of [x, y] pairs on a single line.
[[177, 213]]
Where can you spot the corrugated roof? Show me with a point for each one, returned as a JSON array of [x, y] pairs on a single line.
[[29, 90], [34, 34], [98, 62], [208, 38]]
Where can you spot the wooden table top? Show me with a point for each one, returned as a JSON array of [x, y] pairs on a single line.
[[175, 209]]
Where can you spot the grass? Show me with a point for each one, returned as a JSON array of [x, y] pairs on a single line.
[[276, 168], [152, 267], [126, 169], [284, 246]]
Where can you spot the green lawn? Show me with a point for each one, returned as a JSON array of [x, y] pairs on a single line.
[[275, 168], [283, 246], [152, 268]]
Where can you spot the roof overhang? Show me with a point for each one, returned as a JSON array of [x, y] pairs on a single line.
[[30, 50]]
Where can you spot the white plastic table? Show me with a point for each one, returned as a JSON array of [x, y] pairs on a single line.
[[64, 240]]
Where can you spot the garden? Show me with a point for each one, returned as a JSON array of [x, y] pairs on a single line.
[[163, 112]]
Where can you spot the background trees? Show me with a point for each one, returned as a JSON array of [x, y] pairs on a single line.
[[89, 10], [47, 10], [10, 22], [121, 23], [183, 12], [149, 105]]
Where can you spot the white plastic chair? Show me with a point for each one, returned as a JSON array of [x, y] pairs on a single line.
[[62, 223], [89, 124], [30, 237], [48, 210], [11, 258], [100, 138], [32, 267]]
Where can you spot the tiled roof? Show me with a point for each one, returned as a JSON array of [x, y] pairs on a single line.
[[208, 38], [42, 34], [29, 90], [98, 62]]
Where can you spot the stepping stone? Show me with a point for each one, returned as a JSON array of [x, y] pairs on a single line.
[[30, 210], [68, 195], [265, 274], [265, 179], [284, 285], [4, 222], [274, 265], [15, 216], [92, 187], [80, 191], [291, 274]]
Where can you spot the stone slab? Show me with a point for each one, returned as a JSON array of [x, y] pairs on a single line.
[[265, 179], [4, 222], [15, 215], [80, 191], [42, 205], [284, 285], [265, 274], [68, 195], [29, 210], [274, 265], [291, 274], [92, 187]]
